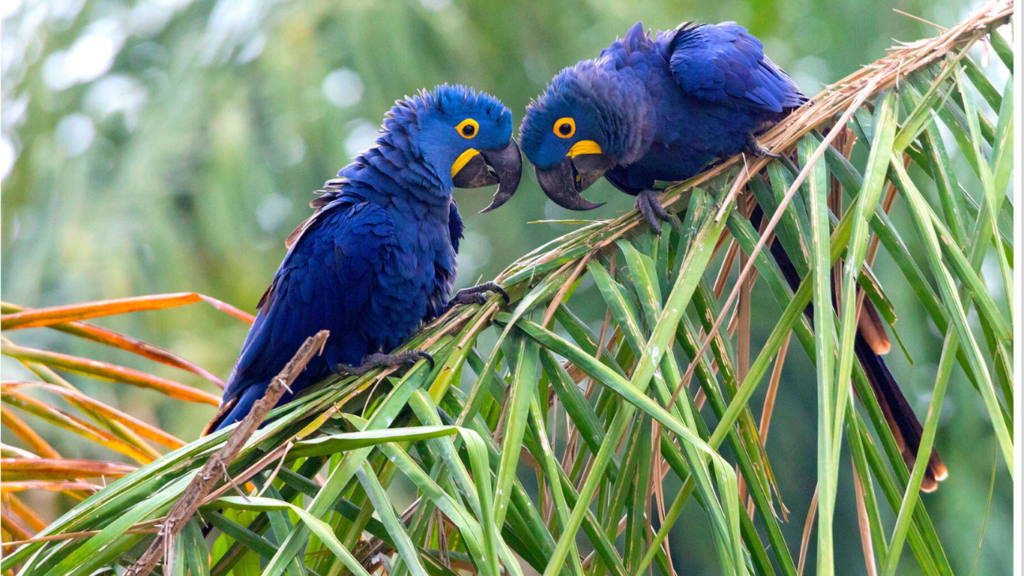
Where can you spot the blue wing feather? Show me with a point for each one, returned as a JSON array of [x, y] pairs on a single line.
[[725, 64]]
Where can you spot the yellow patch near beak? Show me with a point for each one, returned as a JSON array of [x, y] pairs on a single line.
[[463, 159], [584, 147]]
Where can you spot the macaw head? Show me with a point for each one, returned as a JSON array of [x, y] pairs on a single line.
[[463, 136], [590, 119]]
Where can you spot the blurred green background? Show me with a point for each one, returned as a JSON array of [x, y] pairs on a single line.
[[170, 146]]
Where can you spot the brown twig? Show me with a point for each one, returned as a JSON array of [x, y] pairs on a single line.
[[919, 19], [186, 506]]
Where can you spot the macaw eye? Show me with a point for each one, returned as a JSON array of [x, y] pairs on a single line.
[[468, 128], [565, 127]]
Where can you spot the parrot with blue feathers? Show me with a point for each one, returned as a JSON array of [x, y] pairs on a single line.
[[378, 256], [662, 107], [650, 108]]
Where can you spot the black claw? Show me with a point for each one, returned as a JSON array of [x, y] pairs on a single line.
[[421, 355], [504, 295], [474, 295], [654, 224], [650, 207]]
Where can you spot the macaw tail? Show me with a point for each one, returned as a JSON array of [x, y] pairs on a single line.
[[870, 344], [905, 426]]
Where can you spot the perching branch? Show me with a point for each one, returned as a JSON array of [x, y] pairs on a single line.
[[209, 475]]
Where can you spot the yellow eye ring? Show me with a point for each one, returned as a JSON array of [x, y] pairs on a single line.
[[468, 128], [564, 127]]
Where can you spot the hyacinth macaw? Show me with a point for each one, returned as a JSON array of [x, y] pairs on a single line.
[[378, 256], [654, 108], [662, 107]]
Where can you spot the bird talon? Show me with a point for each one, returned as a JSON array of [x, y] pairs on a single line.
[[425, 356], [755, 149], [650, 207], [380, 360], [474, 295], [501, 291]]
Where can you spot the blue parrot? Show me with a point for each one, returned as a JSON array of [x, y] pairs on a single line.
[[663, 107], [652, 108], [378, 256]]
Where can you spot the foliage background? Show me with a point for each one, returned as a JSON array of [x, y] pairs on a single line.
[[168, 145]]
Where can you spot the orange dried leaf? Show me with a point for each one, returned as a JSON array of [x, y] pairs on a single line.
[[12, 469], [73, 312], [109, 372], [86, 403], [53, 486], [118, 429], [28, 435], [13, 525], [64, 420], [123, 342], [27, 514]]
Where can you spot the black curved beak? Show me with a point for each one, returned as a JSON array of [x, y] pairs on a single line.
[[564, 182], [501, 166]]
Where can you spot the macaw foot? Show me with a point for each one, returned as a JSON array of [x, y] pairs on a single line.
[[475, 295], [381, 360], [648, 203], [755, 149]]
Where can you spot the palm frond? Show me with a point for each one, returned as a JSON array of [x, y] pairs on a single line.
[[566, 434]]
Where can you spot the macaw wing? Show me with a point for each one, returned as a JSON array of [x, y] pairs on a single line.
[[725, 64], [325, 281]]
